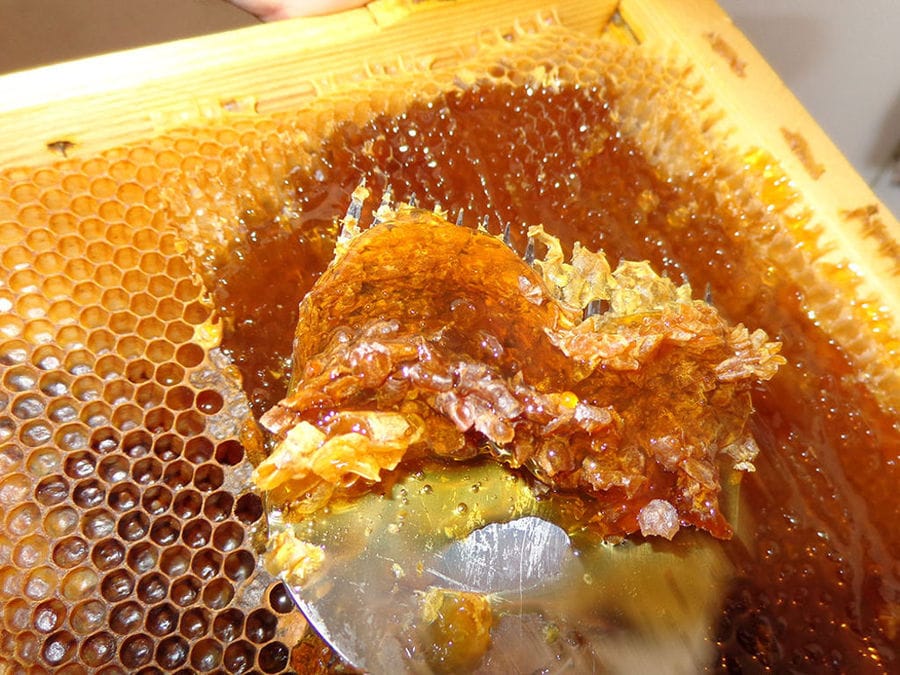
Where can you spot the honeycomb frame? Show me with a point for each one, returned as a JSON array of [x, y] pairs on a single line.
[[120, 416]]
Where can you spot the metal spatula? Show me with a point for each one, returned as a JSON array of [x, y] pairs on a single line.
[[559, 599]]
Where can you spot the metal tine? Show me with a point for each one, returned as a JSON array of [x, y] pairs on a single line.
[[459, 217], [387, 198], [528, 256], [507, 235], [707, 295], [483, 225], [354, 211], [413, 200]]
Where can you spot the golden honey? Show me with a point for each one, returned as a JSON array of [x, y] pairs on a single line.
[[148, 296]]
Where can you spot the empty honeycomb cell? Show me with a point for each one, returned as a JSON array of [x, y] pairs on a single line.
[[147, 471], [142, 304], [239, 565], [175, 561], [196, 313], [160, 285], [23, 519], [48, 357], [62, 411], [139, 371], [27, 645], [159, 420], [126, 617], [107, 554], [149, 395], [180, 398], [228, 625], [12, 352], [156, 499], [186, 291], [16, 615], [167, 446], [218, 593], [39, 331], [169, 374], [172, 652], [20, 378], [196, 533], [12, 326], [146, 239], [93, 317], [198, 450], [16, 258], [33, 306], [160, 351], [261, 626], [187, 504], [152, 588], [165, 530], [178, 331], [80, 464], [79, 362], [118, 392], [117, 585], [72, 436], [217, 507], [185, 590], [133, 526], [109, 366], [87, 387], [150, 328], [136, 651], [61, 312], [98, 649], [162, 619], [87, 616], [142, 557], [51, 264], [43, 462], [126, 417], [228, 536], [70, 551], [87, 494], [48, 616], [13, 490], [27, 406], [40, 582], [126, 257], [79, 583], [131, 346], [71, 336], [206, 563], [96, 523], [273, 657], [209, 477], [10, 582], [123, 323], [210, 402], [121, 499], [206, 655], [170, 309], [59, 648], [96, 415], [60, 521], [31, 551], [230, 452], [279, 599], [113, 469]]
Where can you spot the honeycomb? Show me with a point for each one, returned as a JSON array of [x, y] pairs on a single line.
[[147, 300]]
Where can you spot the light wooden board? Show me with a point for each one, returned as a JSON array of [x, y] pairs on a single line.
[[105, 101]]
